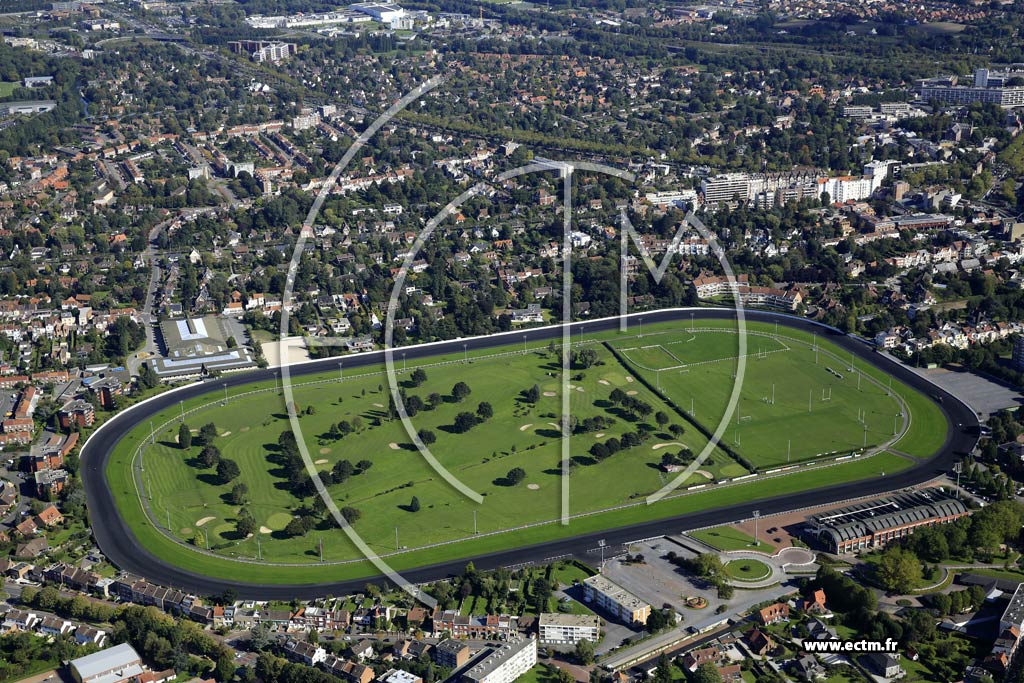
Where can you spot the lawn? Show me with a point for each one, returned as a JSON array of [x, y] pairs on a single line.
[[747, 570], [7, 88], [519, 435], [795, 404], [727, 538]]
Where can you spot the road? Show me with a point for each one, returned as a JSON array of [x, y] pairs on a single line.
[[116, 540]]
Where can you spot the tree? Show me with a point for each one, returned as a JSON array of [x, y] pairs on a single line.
[[239, 494], [414, 504], [464, 422], [898, 570], [418, 377], [209, 456], [661, 417], [460, 391], [351, 514], [533, 394], [484, 411], [617, 396], [207, 433], [426, 436], [184, 437], [295, 527], [227, 470], [515, 476], [585, 652], [363, 465], [245, 524], [342, 470], [705, 673]]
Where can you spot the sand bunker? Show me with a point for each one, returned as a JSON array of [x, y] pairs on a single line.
[[705, 474], [393, 446], [598, 435], [604, 382], [526, 426], [550, 393], [628, 378], [325, 450], [321, 462], [226, 434], [265, 530], [663, 445], [631, 392], [244, 429], [533, 487], [204, 520], [379, 405]]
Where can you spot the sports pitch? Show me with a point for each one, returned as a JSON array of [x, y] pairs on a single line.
[[190, 501]]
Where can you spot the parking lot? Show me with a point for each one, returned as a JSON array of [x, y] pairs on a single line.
[[980, 394]]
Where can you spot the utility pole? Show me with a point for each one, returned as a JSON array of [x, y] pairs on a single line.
[[757, 516], [865, 435], [403, 361], [789, 449], [321, 548], [396, 538], [524, 344], [259, 547], [225, 393], [773, 393], [641, 333], [465, 354], [475, 531], [168, 519], [691, 322], [658, 376], [206, 533], [341, 372], [810, 398], [181, 404], [152, 434]]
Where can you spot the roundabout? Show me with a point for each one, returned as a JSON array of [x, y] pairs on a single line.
[[142, 545]]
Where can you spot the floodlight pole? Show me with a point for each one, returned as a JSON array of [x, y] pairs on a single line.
[[757, 515], [403, 361], [152, 433], [465, 353], [475, 532], [691, 322], [810, 399], [225, 393], [524, 344], [773, 393], [181, 404], [396, 540], [958, 468], [789, 449]]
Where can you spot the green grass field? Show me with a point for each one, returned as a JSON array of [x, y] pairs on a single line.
[[747, 570], [727, 538], [7, 88], [519, 435], [795, 405]]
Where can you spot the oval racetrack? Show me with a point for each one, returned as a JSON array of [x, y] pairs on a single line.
[[116, 540]]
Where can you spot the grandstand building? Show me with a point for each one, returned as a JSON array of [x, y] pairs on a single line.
[[875, 523]]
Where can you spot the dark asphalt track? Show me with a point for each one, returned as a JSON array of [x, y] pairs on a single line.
[[117, 542]]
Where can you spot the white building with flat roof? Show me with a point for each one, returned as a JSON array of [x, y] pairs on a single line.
[[504, 664], [616, 600], [569, 629]]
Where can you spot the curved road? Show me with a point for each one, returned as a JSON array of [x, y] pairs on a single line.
[[117, 542]]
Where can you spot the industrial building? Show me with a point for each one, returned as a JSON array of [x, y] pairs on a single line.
[[113, 665], [196, 347], [875, 523]]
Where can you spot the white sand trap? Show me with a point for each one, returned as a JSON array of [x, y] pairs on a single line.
[[393, 446], [244, 429], [598, 435], [378, 405], [663, 445], [632, 392], [579, 388], [225, 434], [705, 474], [325, 450], [550, 394], [555, 425], [604, 382], [204, 520], [526, 426], [194, 431], [533, 487], [321, 461], [266, 530], [628, 378], [176, 439]]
